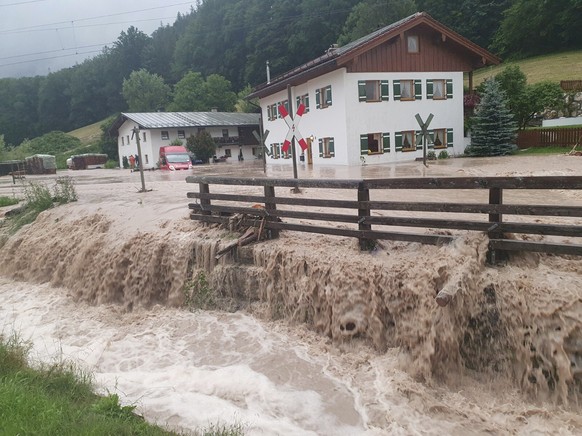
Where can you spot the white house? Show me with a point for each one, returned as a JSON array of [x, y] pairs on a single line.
[[361, 99], [232, 132]]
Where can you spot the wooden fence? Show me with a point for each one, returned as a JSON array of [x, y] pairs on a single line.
[[366, 213], [551, 136], [571, 85]]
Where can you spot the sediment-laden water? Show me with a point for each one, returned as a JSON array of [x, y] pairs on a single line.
[[324, 340]]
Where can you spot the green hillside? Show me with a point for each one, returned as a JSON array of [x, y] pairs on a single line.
[[554, 67], [88, 134]]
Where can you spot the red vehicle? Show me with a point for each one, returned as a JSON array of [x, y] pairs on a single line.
[[174, 157]]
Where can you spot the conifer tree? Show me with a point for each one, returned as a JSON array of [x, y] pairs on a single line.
[[493, 128]]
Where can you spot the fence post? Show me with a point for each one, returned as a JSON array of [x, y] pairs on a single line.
[[270, 207], [204, 202], [363, 212], [495, 219]]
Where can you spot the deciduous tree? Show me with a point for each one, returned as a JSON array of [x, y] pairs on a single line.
[[145, 92], [202, 145]]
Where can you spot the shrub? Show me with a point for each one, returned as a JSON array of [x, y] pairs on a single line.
[[110, 164], [199, 294], [64, 190], [431, 155], [444, 154]]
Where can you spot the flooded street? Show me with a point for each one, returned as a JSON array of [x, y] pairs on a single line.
[[100, 282]]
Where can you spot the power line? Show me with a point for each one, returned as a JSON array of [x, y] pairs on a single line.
[[242, 26], [20, 29], [21, 3], [50, 58]]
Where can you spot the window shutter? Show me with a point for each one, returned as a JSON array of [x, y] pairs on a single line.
[[331, 147], [419, 139], [449, 137], [363, 144], [297, 101], [396, 85], [429, 89], [386, 142], [307, 103], [384, 90], [362, 90], [272, 154], [328, 95], [449, 88], [430, 144], [398, 141], [418, 89], [318, 99], [320, 147]]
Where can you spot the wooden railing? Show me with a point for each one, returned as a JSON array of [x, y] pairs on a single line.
[[551, 136], [367, 213]]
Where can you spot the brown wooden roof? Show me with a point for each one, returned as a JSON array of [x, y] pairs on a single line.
[[441, 49]]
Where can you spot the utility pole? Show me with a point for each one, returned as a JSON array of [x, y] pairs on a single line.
[[136, 133], [293, 153]]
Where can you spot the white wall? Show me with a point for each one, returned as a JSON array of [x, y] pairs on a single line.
[[347, 118], [572, 121]]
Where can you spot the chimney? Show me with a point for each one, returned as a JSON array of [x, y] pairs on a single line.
[[268, 74]]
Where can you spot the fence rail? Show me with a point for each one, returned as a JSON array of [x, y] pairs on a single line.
[[368, 220], [571, 85], [551, 136]]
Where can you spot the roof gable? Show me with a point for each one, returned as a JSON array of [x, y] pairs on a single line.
[[473, 55]]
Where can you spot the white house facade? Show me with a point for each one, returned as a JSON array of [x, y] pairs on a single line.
[[362, 99], [232, 133]]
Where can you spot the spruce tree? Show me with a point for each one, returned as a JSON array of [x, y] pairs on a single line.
[[493, 127]]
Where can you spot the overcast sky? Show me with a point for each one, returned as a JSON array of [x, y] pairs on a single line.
[[42, 36]]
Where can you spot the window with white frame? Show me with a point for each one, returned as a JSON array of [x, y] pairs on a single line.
[[144, 136], [225, 133], [323, 97], [374, 143], [326, 148], [373, 90], [123, 141], [165, 134], [181, 134]]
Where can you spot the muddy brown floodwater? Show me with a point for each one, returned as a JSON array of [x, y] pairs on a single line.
[[315, 337]]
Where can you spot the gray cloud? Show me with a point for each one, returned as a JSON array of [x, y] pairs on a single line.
[[42, 36]]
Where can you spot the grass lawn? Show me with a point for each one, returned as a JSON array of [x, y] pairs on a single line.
[[7, 201], [59, 400], [553, 67], [543, 150]]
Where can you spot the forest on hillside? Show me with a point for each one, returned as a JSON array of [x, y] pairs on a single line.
[[225, 44]]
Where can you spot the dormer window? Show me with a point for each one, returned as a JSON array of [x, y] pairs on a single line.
[[412, 43]]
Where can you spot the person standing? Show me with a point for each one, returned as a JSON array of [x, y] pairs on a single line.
[[131, 162]]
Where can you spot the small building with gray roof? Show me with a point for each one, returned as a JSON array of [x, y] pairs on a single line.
[[232, 132]]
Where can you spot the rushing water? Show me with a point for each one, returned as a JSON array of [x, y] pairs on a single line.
[[359, 347]]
